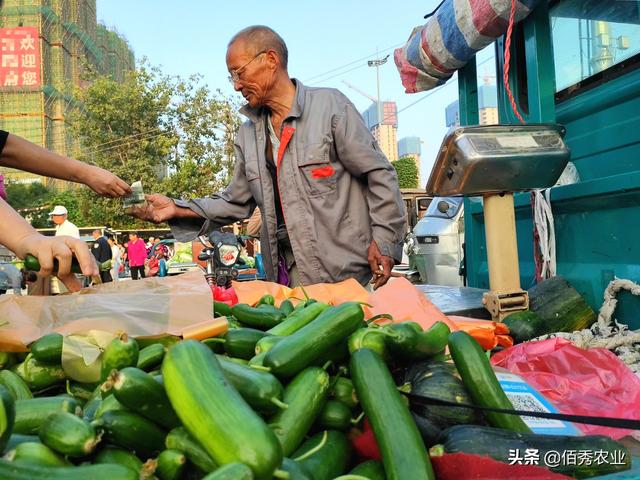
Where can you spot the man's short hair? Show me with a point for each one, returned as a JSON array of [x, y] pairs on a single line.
[[261, 38], [109, 236], [97, 231]]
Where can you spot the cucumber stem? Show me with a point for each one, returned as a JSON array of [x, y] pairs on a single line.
[[279, 403], [378, 317], [283, 474], [358, 419], [315, 449], [260, 368], [327, 364]]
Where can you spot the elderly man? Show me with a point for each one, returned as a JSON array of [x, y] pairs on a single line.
[[330, 203]]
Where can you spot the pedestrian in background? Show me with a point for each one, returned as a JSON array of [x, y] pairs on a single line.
[[137, 254], [116, 255], [102, 251]]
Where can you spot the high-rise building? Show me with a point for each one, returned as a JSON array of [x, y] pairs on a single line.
[[487, 107], [410, 147], [386, 131], [45, 47]]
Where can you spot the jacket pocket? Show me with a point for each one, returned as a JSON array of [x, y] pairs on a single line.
[[316, 171]]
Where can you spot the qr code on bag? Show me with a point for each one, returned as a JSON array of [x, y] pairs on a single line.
[[526, 401]]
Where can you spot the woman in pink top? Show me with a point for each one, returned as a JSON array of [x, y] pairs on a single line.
[[137, 254]]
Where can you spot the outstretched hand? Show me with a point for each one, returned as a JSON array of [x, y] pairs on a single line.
[[158, 209]]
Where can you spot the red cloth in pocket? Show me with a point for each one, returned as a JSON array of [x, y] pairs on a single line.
[[322, 172]]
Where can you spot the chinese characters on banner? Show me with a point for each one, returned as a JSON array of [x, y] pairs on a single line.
[[19, 57]]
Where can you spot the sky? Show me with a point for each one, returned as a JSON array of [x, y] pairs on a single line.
[[329, 42]]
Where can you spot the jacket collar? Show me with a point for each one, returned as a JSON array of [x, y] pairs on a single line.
[[255, 114]]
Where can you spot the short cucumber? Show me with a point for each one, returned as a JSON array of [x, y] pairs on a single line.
[[171, 464], [36, 453], [302, 348], [221, 309], [403, 452], [481, 382], [371, 469], [15, 384], [266, 343], [48, 348], [305, 397], [151, 356], [121, 352], [7, 416], [31, 413], [261, 390], [241, 342], [298, 319], [17, 471], [215, 344], [344, 391], [334, 415], [131, 432], [38, 375], [118, 456], [180, 439], [68, 434], [330, 457], [263, 317], [231, 471], [228, 429], [141, 393], [17, 438], [286, 307]]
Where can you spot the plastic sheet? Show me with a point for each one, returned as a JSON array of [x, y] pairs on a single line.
[[577, 381], [150, 307]]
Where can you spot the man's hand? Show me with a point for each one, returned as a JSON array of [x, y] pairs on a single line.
[[381, 265], [158, 209], [104, 182], [62, 248]]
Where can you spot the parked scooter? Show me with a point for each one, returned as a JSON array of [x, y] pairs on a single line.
[[221, 253]]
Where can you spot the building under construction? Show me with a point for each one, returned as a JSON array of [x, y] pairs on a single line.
[[45, 48]]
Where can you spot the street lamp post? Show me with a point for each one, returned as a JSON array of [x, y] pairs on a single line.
[[377, 63]]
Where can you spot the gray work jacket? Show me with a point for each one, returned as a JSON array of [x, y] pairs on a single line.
[[338, 191]]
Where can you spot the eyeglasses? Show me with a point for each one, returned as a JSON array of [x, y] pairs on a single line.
[[234, 75]]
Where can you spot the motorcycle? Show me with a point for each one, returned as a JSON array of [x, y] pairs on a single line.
[[221, 255]]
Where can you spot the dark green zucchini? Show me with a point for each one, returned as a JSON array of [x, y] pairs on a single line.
[[36, 453], [241, 342], [171, 464], [180, 439], [69, 434], [15, 384], [131, 431], [300, 349], [481, 382], [7, 416], [48, 348], [500, 444], [17, 471], [263, 317], [31, 413], [403, 452], [305, 397], [523, 326], [325, 456]]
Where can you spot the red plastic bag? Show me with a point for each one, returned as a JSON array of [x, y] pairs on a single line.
[[580, 382], [224, 295]]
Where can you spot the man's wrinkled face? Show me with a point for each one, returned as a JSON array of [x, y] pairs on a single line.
[[58, 219], [251, 73]]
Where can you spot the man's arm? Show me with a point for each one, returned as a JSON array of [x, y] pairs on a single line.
[[361, 156], [23, 155]]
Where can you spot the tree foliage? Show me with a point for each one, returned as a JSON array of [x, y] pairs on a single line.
[[407, 171]]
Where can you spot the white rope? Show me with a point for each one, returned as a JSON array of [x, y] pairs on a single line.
[[543, 219], [607, 332]]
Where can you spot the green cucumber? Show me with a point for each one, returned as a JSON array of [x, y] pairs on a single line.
[[118, 456], [263, 317], [17, 471], [38, 375], [15, 384], [481, 382], [403, 452], [371, 338], [36, 453], [295, 470], [344, 392], [17, 438], [231, 471], [266, 300], [151, 356], [131, 432], [89, 409], [499, 444], [228, 429], [371, 469], [300, 349], [171, 464], [48, 348], [266, 343], [215, 344], [180, 439], [221, 309], [68, 434], [141, 393], [108, 404], [120, 353], [431, 341], [326, 455], [7, 415], [286, 307], [7, 360], [258, 360], [82, 392], [261, 390], [334, 415], [32, 264], [298, 319], [305, 397], [31, 413], [241, 342]]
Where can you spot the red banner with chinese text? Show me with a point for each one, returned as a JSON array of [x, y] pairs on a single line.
[[19, 57]]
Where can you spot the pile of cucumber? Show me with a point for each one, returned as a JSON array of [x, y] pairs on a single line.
[[279, 395]]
